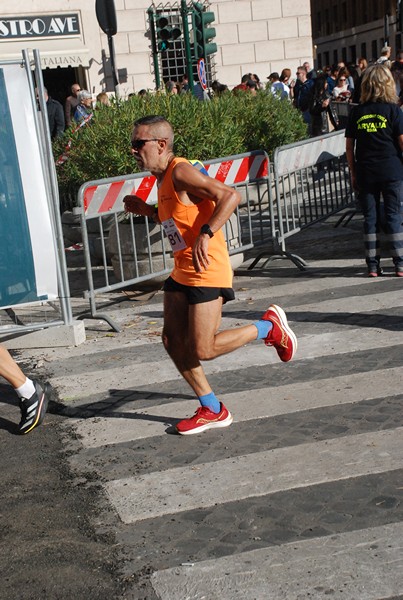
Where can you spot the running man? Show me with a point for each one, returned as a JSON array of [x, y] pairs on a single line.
[[33, 396], [193, 208]]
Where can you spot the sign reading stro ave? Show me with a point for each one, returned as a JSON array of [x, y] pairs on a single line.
[[39, 26]]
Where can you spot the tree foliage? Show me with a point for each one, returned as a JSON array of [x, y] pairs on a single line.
[[227, 125]]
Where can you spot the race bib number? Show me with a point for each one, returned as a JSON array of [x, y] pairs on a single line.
[[174, 237]]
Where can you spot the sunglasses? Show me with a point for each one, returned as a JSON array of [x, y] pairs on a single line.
[[342, 79], [138, 144]]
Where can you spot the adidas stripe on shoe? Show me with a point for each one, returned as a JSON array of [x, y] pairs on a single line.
[[33, 409]]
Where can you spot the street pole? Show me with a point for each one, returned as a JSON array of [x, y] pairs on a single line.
[[113, 65], [106, 16], [188, 54], [150, 13]]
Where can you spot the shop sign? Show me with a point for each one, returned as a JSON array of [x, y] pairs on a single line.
[[39, 26], [62, 60]]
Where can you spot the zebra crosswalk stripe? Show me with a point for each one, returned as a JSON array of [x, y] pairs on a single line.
[[257, 474], [245, 406], [357, 565], [254, 354]]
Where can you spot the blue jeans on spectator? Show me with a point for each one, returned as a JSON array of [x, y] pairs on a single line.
[[388, 217]]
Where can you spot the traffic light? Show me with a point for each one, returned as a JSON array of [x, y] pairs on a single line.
[[166, 33], [202, 33]]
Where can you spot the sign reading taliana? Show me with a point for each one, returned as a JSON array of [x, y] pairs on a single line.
[[43, 26]]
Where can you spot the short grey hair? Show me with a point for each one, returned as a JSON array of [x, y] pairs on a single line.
[[83, 95]]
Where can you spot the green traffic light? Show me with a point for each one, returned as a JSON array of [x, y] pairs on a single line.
[[175, 33], [166, 32], [207, 17], [163, 46], [202, 34], [210, 48]]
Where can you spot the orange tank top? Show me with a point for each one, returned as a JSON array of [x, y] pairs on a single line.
[[182, 226]]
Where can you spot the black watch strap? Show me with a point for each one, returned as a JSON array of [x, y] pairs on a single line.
[[206, 229]]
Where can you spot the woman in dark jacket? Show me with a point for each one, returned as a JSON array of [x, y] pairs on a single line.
[[322, 113], [374, 145]]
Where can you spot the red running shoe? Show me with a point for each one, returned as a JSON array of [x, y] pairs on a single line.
[[204, 419], [281, 336]]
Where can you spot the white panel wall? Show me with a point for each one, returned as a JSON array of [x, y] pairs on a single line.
[[270, 35]]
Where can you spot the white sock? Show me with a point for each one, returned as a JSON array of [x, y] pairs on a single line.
[[26, 390]]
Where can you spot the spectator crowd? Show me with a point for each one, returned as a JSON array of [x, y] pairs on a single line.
[[313, 92], [372, 89]]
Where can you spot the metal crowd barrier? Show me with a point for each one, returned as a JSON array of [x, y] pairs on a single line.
[[307, 182], [121, 250], [311, 182]]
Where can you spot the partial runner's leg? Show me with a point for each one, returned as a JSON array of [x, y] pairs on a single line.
[[204, 320], [175, 337], [177, 342], [34, 397], [10, 370], [191, 334]]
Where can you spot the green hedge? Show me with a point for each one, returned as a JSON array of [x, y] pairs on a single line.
[[229, 124]]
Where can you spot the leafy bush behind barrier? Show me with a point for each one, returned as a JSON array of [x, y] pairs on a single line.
[[230, 124]]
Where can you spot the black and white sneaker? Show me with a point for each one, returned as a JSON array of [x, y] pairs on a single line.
[[33, 409]]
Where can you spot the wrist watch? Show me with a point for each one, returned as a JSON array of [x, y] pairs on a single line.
[[206, 229]]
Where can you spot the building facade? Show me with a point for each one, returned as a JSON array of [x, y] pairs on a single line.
[[258, 36], [346, 31]]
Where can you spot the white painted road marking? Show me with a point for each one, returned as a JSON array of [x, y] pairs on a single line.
[[187, 488], [358, 565], [130, 424]]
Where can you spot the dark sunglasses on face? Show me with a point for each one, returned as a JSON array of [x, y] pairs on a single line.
[[138, 144]]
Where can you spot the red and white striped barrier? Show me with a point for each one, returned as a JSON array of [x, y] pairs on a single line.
[[107, 195], [239, 170]]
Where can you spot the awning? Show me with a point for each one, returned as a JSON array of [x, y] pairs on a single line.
[[75, 57]]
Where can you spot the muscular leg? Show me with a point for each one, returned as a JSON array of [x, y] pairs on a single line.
[[175, 337], [204, 321], [190, 335]]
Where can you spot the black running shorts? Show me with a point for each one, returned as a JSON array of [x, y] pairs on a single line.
[[197, 295]]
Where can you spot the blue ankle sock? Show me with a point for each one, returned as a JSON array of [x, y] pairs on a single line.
[[211, 402], [263, 328]]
